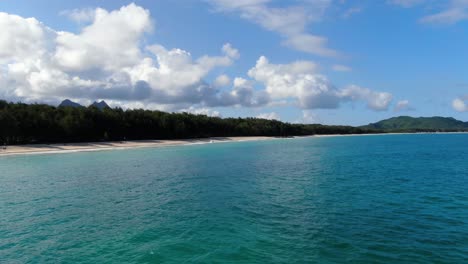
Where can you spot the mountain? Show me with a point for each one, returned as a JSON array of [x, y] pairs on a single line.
[[414, 124], [101, 105], [69, 103]]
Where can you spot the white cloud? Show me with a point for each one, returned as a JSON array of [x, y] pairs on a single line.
[[297, 80], [104, 61], [406, 3], [201, 111], [80, 15], [403, 105], [309, 117], [242, 94], [110, 42], [459, 104], [21, 38], [175, 77], [310, 44], [457, 12], [300, 81], [288, 21], [107, 59], [222, 80], [378, 101], [453, 11], [341, 68], [269, 116], [230, 51]]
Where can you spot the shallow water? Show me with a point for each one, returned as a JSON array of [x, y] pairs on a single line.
[[366, 199]]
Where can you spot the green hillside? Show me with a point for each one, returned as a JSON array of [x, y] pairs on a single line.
[[415, 124]]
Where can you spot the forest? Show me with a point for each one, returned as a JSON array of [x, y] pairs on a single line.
[[40, 123]]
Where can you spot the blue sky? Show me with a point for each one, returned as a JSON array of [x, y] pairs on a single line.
[[326, 61]]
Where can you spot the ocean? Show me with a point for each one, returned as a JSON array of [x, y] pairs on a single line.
[[353, 199]]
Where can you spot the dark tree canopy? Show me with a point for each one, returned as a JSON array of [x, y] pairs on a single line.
[[38, 123]]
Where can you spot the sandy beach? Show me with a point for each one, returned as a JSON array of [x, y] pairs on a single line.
[[98, 146], [111, 145]]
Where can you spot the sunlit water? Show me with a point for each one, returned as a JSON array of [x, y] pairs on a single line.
[[366, 199]]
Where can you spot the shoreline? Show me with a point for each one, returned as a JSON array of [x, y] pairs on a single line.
[[61, 148]]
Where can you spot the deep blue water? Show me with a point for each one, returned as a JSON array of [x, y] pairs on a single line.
[[366, 199]]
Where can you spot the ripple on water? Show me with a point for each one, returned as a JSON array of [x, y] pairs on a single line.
[[390, 199]]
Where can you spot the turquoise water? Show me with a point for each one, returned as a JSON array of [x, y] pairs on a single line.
[[367, 199]]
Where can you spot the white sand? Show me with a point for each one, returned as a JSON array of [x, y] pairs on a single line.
[[97, 146]]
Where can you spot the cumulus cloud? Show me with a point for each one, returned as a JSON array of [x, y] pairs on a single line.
[[243, 93], [202, 111], [288, 21], [39, 62], [295, 80], [107, 59], [222, 80], [378, 101], [269, 116], [341, 68], [22, 38], [403, 105], [459, 104], [110, 42], [175, 77], [230, 51], [80, 15], [103, 61], [299, 80], [309, 117]]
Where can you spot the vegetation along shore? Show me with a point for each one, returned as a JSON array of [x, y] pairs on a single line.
[[44, 124]]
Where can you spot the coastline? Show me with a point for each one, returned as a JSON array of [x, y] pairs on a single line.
[[36, 149]]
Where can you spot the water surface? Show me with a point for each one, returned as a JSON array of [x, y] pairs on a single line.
[[366, 199]]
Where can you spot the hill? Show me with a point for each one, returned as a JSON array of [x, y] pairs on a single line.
[[101, 105], [69, 103], [419, 124]]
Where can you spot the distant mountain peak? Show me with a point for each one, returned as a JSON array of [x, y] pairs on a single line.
[[69, 103], [100, 105]]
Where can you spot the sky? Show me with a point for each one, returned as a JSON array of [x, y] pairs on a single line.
[[302, 61]]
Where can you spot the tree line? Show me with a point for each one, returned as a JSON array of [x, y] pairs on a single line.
[[39, 123]]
